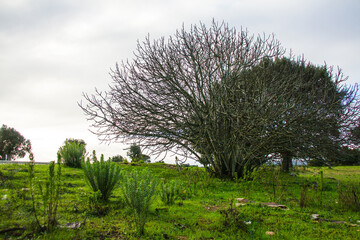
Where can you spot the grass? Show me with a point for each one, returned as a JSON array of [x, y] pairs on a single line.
[[198, 213]]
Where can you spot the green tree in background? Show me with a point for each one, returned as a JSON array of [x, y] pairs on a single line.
[[12, 144], [72, 151], [322, 110], [136, 155]]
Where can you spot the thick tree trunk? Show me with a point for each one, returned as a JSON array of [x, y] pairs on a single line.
[[286, 163]]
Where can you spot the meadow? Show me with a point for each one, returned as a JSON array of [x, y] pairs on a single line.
[[309, 203]]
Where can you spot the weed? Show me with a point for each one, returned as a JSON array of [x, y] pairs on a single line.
[[349, 196], [169, 192], [49, 195], [139, 189], [233, 218]]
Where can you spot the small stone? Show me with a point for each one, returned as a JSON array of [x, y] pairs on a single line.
[[269, 233], [316, 216], [239, 204], [242, 200], [73, 225]]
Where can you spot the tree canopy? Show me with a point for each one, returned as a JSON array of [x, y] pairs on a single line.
[[226, 98], [12, 144], [324, 110]]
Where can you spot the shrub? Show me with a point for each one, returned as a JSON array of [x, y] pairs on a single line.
[[49, 195], [169, 192], [102, 176], [72, 152], [139, 188], [117, 158]]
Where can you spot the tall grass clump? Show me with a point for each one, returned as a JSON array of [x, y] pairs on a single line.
[[101, 176], [72, 153], [139, 188], [49, 195]]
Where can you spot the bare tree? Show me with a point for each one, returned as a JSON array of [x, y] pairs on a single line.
[[197, 94]]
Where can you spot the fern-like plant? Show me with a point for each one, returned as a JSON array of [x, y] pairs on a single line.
[[101, 176], [139, 188]]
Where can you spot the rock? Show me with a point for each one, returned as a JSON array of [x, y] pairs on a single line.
[[269, 233], [73, 225], [316, 216], [242, 200], [274, 205], [239, 204]]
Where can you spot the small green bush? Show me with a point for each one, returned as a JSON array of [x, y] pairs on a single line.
[[72, 152], [169, 192], [139, 188], [102, 176], [117, 158]]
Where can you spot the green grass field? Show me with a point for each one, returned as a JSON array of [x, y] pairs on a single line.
[[207, 208]]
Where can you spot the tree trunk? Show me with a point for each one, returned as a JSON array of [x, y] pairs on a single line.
[[286, 163]]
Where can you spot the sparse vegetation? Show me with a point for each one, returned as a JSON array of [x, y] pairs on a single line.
[[45, 196], [220, 209]]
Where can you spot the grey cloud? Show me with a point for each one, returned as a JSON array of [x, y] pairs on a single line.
[[52, 51]]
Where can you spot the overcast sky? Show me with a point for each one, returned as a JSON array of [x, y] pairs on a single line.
[[53, 50]]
